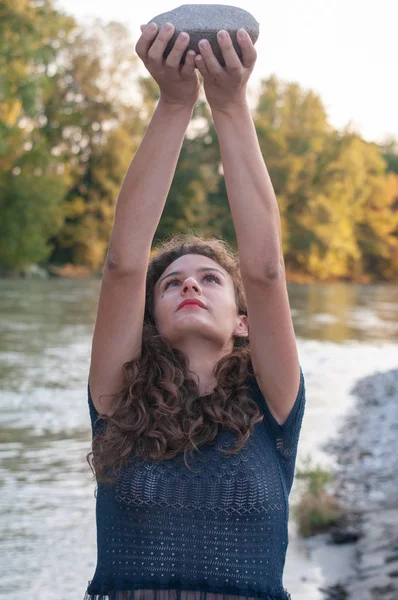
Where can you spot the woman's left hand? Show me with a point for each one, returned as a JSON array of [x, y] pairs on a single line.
[[225, 87]]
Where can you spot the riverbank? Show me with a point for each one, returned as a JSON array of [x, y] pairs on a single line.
[[66, 271], [70, 271], [367, 486]]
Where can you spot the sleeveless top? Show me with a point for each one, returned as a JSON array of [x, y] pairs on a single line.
[[220, 529]]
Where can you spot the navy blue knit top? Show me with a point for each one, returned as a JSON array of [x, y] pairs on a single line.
[[221, 528]]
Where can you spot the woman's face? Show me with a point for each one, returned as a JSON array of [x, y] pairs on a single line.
[[197, 278]]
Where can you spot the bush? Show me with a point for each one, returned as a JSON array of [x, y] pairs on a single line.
[[317, 510]]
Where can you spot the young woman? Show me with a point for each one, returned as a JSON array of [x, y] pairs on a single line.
[[196, 394]]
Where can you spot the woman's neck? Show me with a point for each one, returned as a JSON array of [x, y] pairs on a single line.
[[202, 359]]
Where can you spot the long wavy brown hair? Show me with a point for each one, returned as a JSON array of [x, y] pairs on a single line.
[[158, 412]]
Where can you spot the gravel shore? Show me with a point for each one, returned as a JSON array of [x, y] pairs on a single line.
[[367, 485]]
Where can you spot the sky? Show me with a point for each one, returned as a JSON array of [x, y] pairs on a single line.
[[344, 50]]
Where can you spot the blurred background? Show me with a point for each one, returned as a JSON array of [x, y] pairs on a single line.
[[75, 101]]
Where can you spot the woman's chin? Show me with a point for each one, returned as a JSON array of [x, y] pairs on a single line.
[[199, 327]]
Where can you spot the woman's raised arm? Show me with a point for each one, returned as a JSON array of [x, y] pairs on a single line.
[[145, 188], [147, 183], [256, 218], [118, 328]]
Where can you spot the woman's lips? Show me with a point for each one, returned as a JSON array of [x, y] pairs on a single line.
[[196, 303]]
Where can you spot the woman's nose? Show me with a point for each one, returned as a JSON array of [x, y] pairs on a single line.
[[189, 284]]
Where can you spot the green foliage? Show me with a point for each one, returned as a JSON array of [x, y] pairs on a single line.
[[32, 34], [315, 477], [317, 510], [389, 151], [32, 185], [31, 213], [69, 127], [329, 185], [97, 133]]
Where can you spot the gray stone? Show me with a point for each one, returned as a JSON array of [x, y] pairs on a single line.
[[203, 21], [391, 558]]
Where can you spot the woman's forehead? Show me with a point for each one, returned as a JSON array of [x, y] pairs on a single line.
[[193, 262]]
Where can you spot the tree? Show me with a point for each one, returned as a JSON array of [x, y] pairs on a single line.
[[293, 130], [31, 182], [30, 212], [95, 129]]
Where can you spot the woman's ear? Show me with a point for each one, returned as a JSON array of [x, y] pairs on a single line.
[[242, 326]]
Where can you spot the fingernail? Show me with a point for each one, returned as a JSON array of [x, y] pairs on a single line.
[[152, 27], [204, 43], [168, 27], [222, 34], [243, 35]]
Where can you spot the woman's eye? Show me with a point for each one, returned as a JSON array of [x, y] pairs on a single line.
[[214, 277], [169, 282], [209, 276]]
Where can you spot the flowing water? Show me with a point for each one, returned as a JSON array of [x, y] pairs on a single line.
[[47, 504]]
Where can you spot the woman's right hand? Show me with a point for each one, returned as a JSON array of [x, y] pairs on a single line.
[[178, 85]]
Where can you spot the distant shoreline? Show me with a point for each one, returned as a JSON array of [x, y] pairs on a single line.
[[69, 271]]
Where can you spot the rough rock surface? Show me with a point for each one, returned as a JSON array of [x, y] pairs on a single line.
[[367, 483], [203, 21]]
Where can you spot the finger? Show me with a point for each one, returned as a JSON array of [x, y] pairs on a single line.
[[232, 60], [249, 53], [174, 58], [155, 54], [201, 66], [189, 65], [146, 40], [211, 62]]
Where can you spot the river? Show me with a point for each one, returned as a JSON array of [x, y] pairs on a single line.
[[47, 506]]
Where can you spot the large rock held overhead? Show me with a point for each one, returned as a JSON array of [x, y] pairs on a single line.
[[203, 21]]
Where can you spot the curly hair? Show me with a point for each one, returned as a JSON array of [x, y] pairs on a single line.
[[158, 412]]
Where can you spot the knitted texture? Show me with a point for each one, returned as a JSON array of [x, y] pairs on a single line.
[[165, 532]]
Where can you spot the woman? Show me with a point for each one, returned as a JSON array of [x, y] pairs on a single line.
[[184, 506]]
